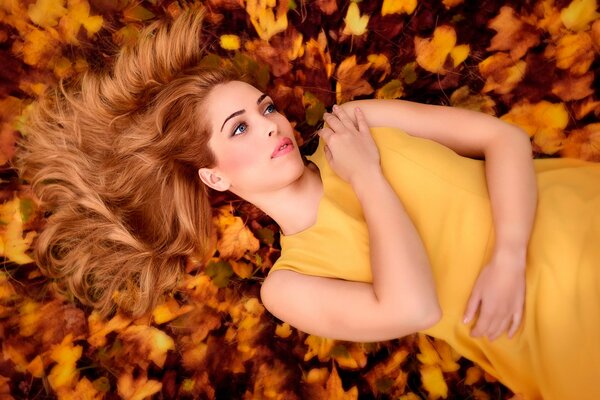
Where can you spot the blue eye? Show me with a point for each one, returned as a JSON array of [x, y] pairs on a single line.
[[270, 106]]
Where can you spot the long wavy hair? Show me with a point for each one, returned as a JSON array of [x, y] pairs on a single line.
[[113, 158]]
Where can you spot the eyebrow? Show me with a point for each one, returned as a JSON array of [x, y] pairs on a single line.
[[262, 96]]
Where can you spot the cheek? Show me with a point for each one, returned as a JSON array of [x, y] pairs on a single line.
[[239, 161]]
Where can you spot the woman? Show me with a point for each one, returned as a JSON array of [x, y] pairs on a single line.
[[125, 161]]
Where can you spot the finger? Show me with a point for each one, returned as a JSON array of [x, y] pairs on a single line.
[[483, 322], [472, 306], [500, 328], [325, 133], [363, 127], [344, 117], [334, 122], [516, 322]]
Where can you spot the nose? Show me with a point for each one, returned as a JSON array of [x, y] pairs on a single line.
[[271, 127]]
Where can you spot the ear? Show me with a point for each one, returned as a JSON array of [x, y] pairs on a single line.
[[213, 179]]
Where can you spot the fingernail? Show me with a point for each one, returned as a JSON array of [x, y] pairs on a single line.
[[465, 320], [335, 107]]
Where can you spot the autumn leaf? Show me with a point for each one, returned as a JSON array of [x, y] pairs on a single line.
[[573, 52], [502, 74], [64, 373], [398, 7], [583, 143], [230, 42], [336, 391], [433, 381], [46, 13], [235, 238], [138, 388], [544, 121], [579, 13], [264, 20], [513, 35], [432, 53], [462, 97], [355, 23], [350, 81]]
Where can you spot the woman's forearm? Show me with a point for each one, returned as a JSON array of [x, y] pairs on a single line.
[[402, 276], [512, 189]]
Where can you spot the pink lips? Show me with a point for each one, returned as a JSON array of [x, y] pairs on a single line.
[[283, 141]]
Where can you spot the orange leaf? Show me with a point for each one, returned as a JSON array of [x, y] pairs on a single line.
[[502, 74], [513, 34], [350, 81]]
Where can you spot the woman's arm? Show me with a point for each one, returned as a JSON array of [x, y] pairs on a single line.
[[511, 185]]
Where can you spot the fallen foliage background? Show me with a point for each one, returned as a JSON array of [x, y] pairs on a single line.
[[531, 63]]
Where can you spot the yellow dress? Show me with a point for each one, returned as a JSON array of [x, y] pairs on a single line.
[[556, 351]]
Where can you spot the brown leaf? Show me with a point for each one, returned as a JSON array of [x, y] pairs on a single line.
[[513, 35]]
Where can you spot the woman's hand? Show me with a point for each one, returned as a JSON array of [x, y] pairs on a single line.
[[500, 288], [350, 151]]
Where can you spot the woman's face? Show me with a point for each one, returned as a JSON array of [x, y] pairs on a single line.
[[246, 129]]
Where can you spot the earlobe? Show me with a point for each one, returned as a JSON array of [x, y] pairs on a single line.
[[210, 178]]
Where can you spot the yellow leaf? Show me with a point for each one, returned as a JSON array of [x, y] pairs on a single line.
[[398, 7], [64, 373], [318, 346], [317, 375], [432, 53], [235, 238], [46, 13], [502, 74], [283, 330], [136, 389], [63, 68], [169, 310], [241, 268], [448, 356], [99, 329], [30, 317], [14, 244], [577, 15], [39, 47], [428, 355], [574, 52], [460, 54], [78, 15], [355, 23], [230, 42], [433, 381], [334, 389], [263, 18], [544, 121]]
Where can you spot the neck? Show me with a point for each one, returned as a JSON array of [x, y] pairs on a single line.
[[294, 207]]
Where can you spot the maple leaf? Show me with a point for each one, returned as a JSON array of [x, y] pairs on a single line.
[[513, 34], [544, 121], [583, 143], [263, 18], [138, 388], [46, 13], [235, 237], [502, 74], [389, 370], [574, 52], [335, 390], [350, 81], [579, 13], [169, 310], [473, 375], [64, 373], [318, 346], [146, 343], [398, 7], [99, 329], [79, 15], [574, 87], [432, 53], [355, 23]]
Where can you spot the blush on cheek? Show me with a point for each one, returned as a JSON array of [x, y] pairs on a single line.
[[235, 162]]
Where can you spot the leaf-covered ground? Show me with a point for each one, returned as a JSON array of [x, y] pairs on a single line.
[[531, 63]]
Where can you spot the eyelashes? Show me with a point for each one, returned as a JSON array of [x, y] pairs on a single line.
[[271, 105]]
